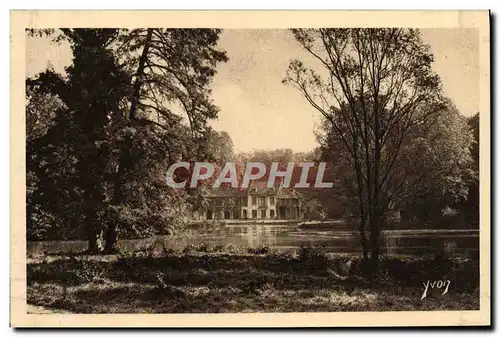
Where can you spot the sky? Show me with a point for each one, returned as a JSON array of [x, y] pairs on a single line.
[[259, 112]]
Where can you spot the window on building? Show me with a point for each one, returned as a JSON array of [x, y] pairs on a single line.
[[263, 213], [254, 200], [254, 213], [271, 200], [272, 213], [227, 215], [262, 201], [236, 214]]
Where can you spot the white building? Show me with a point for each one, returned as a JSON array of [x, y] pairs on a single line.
[[256, 202]]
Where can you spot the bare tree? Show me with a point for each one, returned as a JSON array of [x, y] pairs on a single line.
[[373, 86]]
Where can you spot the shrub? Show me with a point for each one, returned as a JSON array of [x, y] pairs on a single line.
[[89, 271], [227, 248], [313, 257], [260, 250], [199, 248]]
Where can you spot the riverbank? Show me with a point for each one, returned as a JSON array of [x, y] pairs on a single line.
[[255, 281], [285, 238]]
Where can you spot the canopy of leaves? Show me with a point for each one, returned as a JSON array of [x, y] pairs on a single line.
[[89, 162]]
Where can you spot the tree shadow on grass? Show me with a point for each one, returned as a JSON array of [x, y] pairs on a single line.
[[227, 283]]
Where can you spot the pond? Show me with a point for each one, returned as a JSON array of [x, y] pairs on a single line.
[[291, 236]]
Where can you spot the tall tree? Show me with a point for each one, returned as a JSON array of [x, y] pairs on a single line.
[[435, 166], [374, 86], [126, 96], [172, 70], [91, 94], [470, 207], [41, 109], [220, 147]]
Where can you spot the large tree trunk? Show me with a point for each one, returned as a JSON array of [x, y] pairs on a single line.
[[93, 239], [111, 235], [111, 238], [364, 244], [112, 229], [374, 242], [93, 246], [92, 227]]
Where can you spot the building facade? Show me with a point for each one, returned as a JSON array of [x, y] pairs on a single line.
[[253, 203]]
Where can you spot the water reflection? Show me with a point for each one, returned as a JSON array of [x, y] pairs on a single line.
[[289, 237]]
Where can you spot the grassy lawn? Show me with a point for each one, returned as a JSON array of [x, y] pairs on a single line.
[[215, 282]]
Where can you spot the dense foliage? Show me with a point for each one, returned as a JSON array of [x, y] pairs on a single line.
[[101, 136]]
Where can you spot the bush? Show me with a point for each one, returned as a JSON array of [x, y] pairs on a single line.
[[199, 248], [227, 248], [89, 271], [260, 250], [208, 248], [313, 257]]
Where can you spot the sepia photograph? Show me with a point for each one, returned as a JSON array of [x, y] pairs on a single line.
[[210, 169]]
